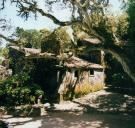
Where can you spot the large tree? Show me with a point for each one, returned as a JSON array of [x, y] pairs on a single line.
[[91, 18], [28, 38]]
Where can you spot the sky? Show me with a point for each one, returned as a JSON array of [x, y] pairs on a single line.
[[10, 13]]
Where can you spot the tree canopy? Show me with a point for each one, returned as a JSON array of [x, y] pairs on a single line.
[[28, 38]]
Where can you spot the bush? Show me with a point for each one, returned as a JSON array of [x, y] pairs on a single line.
[[3, 124], [84, 89], [18, 90], [121, 80]]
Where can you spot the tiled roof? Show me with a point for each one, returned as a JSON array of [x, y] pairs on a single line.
[[72, 62]]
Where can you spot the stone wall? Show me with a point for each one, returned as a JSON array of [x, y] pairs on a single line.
[[94, 78], [97, 78]]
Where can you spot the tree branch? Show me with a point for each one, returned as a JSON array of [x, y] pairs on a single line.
[[55, 20], [8, 39], [118, 53], [3, 4], [33, 7]]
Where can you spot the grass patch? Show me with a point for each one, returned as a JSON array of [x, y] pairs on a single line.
[[84, 89]]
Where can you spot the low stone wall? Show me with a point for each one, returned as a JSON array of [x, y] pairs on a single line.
[[97, 78], [24, 111]]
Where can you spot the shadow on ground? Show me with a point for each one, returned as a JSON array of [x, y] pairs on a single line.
[[100, 110], [108, 102], [74, 120]]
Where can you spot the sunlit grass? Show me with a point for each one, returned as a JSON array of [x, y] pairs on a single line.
[[84, 89]]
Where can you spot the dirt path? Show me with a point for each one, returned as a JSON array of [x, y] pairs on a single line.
[[73, 120], [100, 102], [96, 110]]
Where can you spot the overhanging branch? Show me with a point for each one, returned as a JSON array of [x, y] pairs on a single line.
[[55, 20], [26, 7], [119, 54], [8, 39]]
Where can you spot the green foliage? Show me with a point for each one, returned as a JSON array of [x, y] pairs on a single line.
[[57, 42], [45, 33], [39, 92], [31, 37], [121, 80], [117, 79], [115, 74], [122, 26], [4, 52], [131, 16], [106, 28], [50, 44], [19, 90], [3, 124], [111, 28]]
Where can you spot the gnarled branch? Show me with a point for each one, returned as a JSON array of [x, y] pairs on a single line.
[[26, 7]]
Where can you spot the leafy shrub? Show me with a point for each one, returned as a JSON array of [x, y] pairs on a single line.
[[18, 90], [84, 89], [121, 80], [3, 124]]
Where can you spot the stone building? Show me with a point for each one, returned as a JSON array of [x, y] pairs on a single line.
[[85, 71], [74, 71], [61, 70], [79, 72]]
